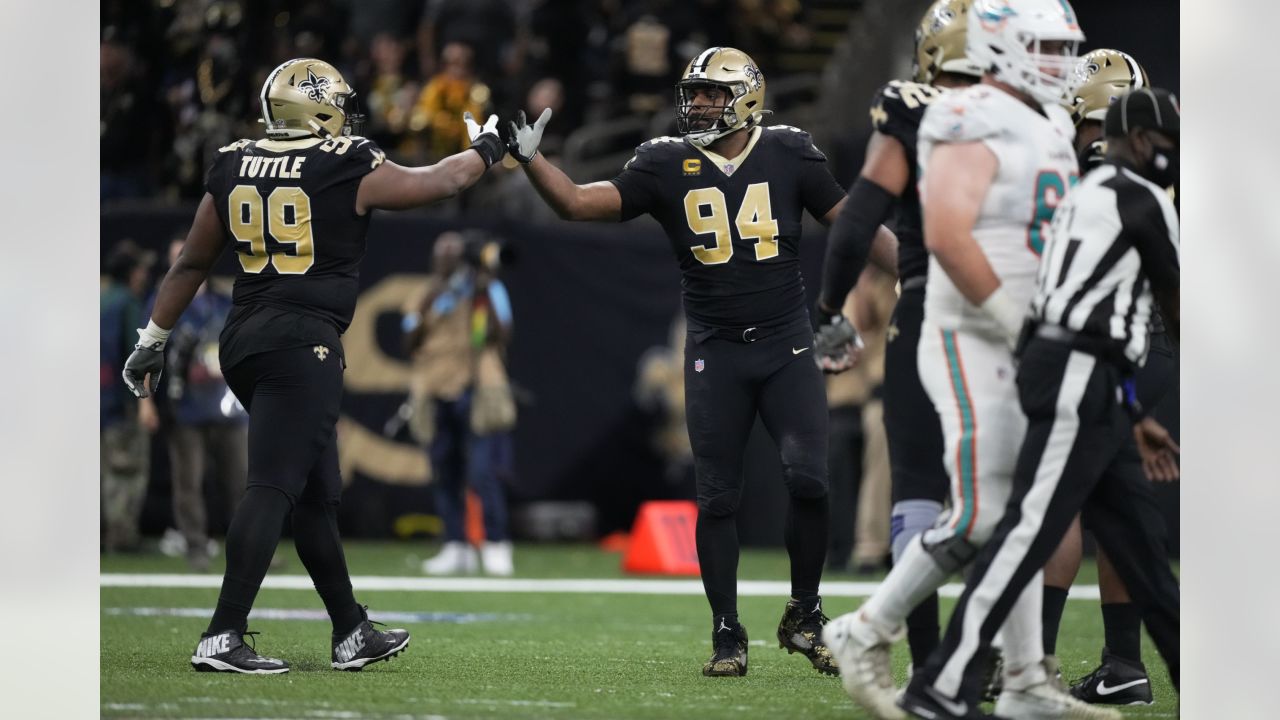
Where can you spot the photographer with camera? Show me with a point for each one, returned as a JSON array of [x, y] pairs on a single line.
[[457, 331]]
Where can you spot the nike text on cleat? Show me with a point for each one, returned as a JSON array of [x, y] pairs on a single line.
[[729, 655], [1116, 681], [227, 652], [366, 644], [800, 631]]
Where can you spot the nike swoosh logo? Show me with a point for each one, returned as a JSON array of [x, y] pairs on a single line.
[[1104, 690], [797, 352], [951, 706]]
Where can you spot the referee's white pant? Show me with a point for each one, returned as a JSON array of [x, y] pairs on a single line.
[[1077, 425]]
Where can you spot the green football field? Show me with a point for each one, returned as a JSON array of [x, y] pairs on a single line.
[[489, 651]]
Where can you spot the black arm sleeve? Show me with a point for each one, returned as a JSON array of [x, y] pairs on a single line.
[[819, 191], [849, 242]]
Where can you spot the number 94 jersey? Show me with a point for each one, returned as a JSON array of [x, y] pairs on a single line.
[[289, 210], [734, 223], [1036, 166]]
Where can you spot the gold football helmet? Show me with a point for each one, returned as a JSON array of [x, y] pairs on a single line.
[[733, 71], [307, 97], [1101, 77], [940, 42]]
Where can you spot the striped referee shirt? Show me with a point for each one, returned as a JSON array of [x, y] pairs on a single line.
[[1114, 238]]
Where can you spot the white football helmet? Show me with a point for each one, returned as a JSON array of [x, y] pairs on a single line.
[[1006, 37]]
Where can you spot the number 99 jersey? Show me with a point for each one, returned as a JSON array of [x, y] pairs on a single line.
[[734, 223], [1036, 166], [289, 209]]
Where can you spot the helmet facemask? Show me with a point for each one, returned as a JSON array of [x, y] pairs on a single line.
[[702, 124]]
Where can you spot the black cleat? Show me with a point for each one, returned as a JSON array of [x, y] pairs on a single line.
[[226, 652], [800, 631], [729, 658], [926, 703], [1117, 681], [367, 644]]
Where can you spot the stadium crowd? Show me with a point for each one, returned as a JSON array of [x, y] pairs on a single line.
[[179, 78]]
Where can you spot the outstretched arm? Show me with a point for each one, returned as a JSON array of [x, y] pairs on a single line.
[[395, 187], [596, 201]]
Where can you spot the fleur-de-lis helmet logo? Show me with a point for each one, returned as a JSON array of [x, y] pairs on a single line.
[[314, 87]]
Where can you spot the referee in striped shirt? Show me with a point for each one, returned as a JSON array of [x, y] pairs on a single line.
[[1112, 255]]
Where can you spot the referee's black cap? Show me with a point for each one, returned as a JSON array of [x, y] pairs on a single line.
[[1151, 108]]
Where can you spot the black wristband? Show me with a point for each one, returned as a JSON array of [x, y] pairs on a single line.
[[490, 148], [850, 239]]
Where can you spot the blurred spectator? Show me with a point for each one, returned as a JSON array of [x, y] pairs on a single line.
[[770, 27], [451, 92], [205, 421], [488, 26], [659, 391], [872, 310], [124, 112], [125, 443], [389, 93], [858, 458], [458, 328]]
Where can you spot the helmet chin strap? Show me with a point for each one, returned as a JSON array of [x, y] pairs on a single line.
[[706, 137]]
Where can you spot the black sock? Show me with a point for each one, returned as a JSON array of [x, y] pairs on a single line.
[[1122, 628], [808, 524], [1055, 599], [315, 532], [251, 542], [724, 620], [717, 539], [923, 630]]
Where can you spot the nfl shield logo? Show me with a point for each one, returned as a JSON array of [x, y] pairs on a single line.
[[698, 365]]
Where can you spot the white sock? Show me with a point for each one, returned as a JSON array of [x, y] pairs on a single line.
[[1022, 630], [914, 577]]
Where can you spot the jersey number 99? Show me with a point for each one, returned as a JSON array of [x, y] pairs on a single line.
[[288, 219]]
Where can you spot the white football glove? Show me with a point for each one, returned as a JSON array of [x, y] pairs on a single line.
[[523, 143], [485, 139], [475, 130]]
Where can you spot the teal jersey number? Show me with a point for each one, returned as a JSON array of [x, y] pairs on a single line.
[[1050, 189]]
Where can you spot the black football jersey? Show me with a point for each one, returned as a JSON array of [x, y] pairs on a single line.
[[289, 211], [896, 111], [734, 224]]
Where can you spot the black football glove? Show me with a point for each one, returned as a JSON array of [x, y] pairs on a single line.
[[836, 344], [144, 361]]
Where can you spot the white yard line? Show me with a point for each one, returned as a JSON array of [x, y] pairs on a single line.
[[628, 586]]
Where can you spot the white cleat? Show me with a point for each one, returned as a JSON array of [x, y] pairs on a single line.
[[1044, 701], [455, 558], [495, 558], [862, 652]]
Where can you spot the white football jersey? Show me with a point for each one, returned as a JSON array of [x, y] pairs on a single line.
[[1037, 165]]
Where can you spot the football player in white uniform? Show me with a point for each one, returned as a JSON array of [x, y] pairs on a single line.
[[984, 152]]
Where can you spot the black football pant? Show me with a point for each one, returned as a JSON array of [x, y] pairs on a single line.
[[293, 398], [914, 433], [727, 382], [1077, 431]]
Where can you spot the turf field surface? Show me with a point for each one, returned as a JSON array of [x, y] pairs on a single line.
[[490, 652]]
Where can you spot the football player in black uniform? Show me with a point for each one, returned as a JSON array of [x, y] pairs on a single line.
[[888, 180], [1103, 76], [730, 193], [295, 206]]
